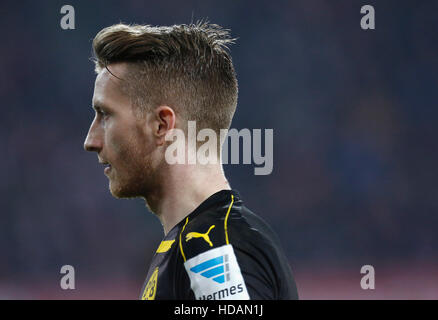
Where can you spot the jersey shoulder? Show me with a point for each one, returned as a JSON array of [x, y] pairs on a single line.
[[228, 224], [230, 245], [206, 231]]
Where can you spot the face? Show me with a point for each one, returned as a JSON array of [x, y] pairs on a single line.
[[122, 140]]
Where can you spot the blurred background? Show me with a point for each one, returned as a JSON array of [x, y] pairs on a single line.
[[355, 157]]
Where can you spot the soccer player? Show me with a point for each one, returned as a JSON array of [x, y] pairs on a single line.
[[151, 81]]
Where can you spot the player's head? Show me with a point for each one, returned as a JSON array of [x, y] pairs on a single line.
[[149, 81]]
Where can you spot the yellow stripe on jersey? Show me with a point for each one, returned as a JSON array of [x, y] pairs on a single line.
[[226, 220], [165, 246], [180, 244]]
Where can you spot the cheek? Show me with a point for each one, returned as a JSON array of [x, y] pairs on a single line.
[[128, 146], [112, 141], [115, 147], [128, 150], [143, 142]]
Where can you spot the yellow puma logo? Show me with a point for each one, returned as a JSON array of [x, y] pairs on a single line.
[[204, 236]]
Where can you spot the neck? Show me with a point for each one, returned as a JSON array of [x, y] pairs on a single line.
[[183, 189]]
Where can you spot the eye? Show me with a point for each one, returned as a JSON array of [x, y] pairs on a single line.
[[102, 113], [105, 115]]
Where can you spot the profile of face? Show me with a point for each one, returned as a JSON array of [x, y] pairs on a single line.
[[124, 142]]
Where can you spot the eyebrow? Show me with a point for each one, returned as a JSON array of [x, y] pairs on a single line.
[[98, 107]]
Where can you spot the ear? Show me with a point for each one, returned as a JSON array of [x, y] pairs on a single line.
[[166, 120]]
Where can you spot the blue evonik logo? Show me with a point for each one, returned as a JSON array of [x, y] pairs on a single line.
[[217, 269]]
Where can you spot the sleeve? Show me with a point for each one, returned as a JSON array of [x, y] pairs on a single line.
[[220, 267]]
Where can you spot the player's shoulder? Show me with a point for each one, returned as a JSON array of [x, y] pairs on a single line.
[[229, 222], [206, 231]]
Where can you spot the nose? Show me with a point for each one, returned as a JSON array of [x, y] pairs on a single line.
[[93, 141]]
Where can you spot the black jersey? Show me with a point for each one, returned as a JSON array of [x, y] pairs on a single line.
[[220, 251]]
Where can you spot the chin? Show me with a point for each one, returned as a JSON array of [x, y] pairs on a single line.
[[120, 193], [124, 190]]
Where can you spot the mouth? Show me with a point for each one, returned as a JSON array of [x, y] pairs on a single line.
[[107, 167]]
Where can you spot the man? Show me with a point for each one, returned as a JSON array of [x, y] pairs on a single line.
[[150, 82]]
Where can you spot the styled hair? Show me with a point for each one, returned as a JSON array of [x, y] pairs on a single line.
[[187, 67]]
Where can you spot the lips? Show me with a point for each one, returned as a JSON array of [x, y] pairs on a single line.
[[107, 166]]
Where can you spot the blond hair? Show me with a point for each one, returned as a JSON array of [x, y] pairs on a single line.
[[187, 67]]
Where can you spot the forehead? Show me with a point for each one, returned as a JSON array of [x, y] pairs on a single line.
[[108, 88]]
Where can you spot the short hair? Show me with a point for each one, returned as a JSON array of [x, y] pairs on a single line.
[[187, 67]]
